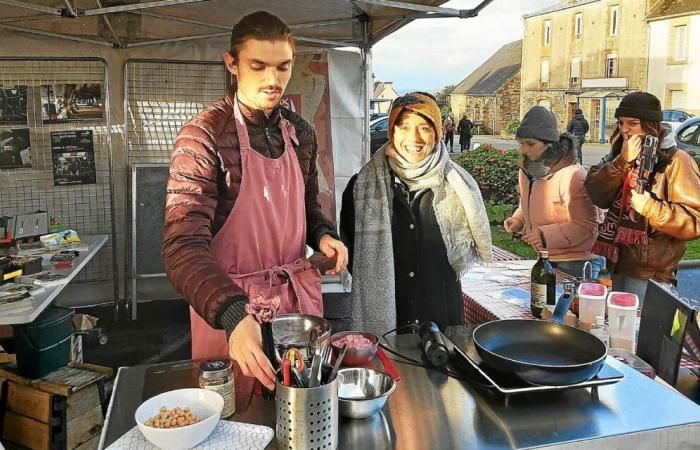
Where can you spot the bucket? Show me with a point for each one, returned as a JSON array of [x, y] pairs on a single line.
[[43, 345]]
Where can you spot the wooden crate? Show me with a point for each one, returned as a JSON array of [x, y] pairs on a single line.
[[62, 411]]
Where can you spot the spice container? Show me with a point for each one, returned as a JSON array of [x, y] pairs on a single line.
[[216, 375]]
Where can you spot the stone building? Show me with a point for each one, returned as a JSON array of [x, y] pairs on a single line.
[[491, 94], [587, 54]]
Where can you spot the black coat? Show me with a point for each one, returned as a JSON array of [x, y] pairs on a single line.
[[578, 125], [465, 130], [426, 285]]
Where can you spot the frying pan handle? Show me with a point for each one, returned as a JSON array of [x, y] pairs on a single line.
[[559, 314]]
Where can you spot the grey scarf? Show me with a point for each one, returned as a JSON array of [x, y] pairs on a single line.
[[459, 210]]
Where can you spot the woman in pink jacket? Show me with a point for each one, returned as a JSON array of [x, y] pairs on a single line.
[[555, 213]]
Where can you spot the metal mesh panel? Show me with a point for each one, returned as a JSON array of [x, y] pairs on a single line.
[[161, 97], [84, 208]]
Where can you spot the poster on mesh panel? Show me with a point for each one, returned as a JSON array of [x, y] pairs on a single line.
[[71, 103], [15, 148], [73, 157], [13, 105]]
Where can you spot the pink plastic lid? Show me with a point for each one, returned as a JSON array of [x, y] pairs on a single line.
[[593, 289], [623, 299]]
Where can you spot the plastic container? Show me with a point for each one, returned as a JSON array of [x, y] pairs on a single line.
[[43, 345], [591, 303], [622, 320]]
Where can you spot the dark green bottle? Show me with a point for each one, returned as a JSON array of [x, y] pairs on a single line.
[[543, 283]]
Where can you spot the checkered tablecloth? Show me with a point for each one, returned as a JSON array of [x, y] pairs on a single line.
[[502, 291]]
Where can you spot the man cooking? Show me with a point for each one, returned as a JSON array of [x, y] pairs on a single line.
[[242, 204]]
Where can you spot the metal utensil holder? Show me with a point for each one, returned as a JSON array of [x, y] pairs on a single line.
[[307, 419]]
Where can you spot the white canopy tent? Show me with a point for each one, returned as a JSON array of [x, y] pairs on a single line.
[[189, 31]]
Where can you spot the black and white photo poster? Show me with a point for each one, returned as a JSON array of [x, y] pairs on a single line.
[[73, 157], [15, 148], [13, 105]]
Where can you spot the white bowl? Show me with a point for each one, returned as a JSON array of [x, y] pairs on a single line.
[[205, 405]]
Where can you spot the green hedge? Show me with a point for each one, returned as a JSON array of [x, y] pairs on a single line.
[[495, 171]]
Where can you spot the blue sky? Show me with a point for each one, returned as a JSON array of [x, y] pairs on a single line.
[[429, 54]]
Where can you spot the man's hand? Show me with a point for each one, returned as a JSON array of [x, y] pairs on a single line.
[[534, 238], [512, 225], [335, 250], [245, 347], [631, 148], [639, 201]]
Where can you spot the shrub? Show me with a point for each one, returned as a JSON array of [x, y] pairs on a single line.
[[510, 129], [495, 171]]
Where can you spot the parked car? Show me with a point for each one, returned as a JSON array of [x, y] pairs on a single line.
[[675, 117], [378, 133], [688, 137]]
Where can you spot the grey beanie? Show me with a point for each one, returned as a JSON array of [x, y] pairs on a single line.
[[539, 123]]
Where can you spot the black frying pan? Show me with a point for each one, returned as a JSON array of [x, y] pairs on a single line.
[[540, 352]]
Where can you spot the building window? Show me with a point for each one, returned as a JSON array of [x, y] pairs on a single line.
[[611, 66], [575, 70], [547, 32], [614, 20], [544, 71], [679, 53], [578, 25]]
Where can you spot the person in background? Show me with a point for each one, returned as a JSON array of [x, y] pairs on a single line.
[[465, 132], [644, 235], [578, 127], [242, 203], [414, 222], [555, 213], [449, 132]]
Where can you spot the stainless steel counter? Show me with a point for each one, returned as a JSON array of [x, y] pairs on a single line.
[[429, 410]]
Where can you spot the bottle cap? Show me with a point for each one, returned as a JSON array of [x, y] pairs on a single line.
[[215, 368], [544, 254]]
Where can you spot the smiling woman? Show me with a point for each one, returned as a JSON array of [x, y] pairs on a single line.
[[413, 222]]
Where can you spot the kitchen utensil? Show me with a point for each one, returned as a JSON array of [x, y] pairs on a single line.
[[313, 343], [315, 369], [293, 330], [338, 362], [363, 392], [205, 405], [540, 352], [355, 356], [287, 372]]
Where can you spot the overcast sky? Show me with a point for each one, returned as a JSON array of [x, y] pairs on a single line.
[[430, 54]]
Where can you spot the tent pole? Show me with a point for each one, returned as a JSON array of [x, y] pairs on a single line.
[[57, 35], [32, 6], [109, 24], [366, 50], [134, 6]]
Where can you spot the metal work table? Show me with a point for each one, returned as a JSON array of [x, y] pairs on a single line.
[[49, 293], [429, 410]]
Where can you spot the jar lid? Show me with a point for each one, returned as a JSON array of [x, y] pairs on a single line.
[[215, 368]]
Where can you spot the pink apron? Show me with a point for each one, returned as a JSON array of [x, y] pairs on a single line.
[[262, 244]]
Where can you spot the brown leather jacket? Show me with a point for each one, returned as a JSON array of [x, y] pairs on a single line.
[[673, 212], [205, 178]]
